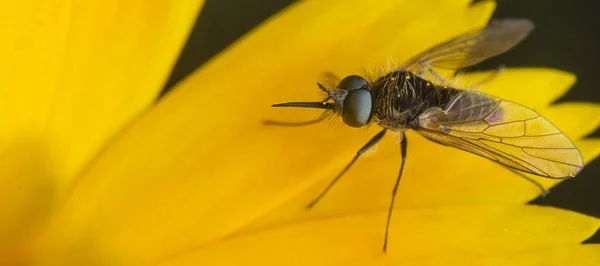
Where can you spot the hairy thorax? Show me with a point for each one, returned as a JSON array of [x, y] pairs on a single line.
[[400, 97]]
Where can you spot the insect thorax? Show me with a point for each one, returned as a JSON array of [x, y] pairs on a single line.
[[400, 97]]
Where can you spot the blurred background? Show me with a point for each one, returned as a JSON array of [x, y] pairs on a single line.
[[566, 38]]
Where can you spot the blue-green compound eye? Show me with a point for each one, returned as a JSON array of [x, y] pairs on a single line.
[[357, 108], [353, 82]]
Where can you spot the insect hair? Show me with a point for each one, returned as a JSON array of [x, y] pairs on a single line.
[[330, 82], [378, 70]]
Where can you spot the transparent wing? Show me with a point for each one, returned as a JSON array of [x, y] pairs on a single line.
[[504, 132], [473, 47]]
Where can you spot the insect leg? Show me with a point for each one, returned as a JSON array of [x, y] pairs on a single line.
[[362, 150], [537, 184], [293, 124], [403, 147]]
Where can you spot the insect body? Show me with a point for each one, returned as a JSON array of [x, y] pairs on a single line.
[[400, 97], [499, 130]]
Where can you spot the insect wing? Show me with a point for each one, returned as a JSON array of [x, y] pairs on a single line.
[[504, 132], [473, 47]]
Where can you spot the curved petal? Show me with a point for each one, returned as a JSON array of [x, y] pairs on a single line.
[[520, 84], [72, 74], [448, 236], [200, 164], [440, 176], [577, 120]]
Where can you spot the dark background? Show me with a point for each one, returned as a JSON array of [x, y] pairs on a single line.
[[565, 38]]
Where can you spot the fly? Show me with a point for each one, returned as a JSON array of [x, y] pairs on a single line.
[[502, 131]]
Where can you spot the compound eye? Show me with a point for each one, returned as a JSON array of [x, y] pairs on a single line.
[[353, 82], [357, 108]]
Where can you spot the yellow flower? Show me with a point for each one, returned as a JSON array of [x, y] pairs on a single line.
[[197, 179]]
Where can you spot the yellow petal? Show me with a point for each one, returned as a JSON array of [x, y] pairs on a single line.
[[534, 87], [447, 236], [436, 175], [590, 148], [75, 73], [72, 74], [576, 120], [537, 88], [201, 164]]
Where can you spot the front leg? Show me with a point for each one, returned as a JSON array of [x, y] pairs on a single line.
[[403, 147], [362, 150]]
